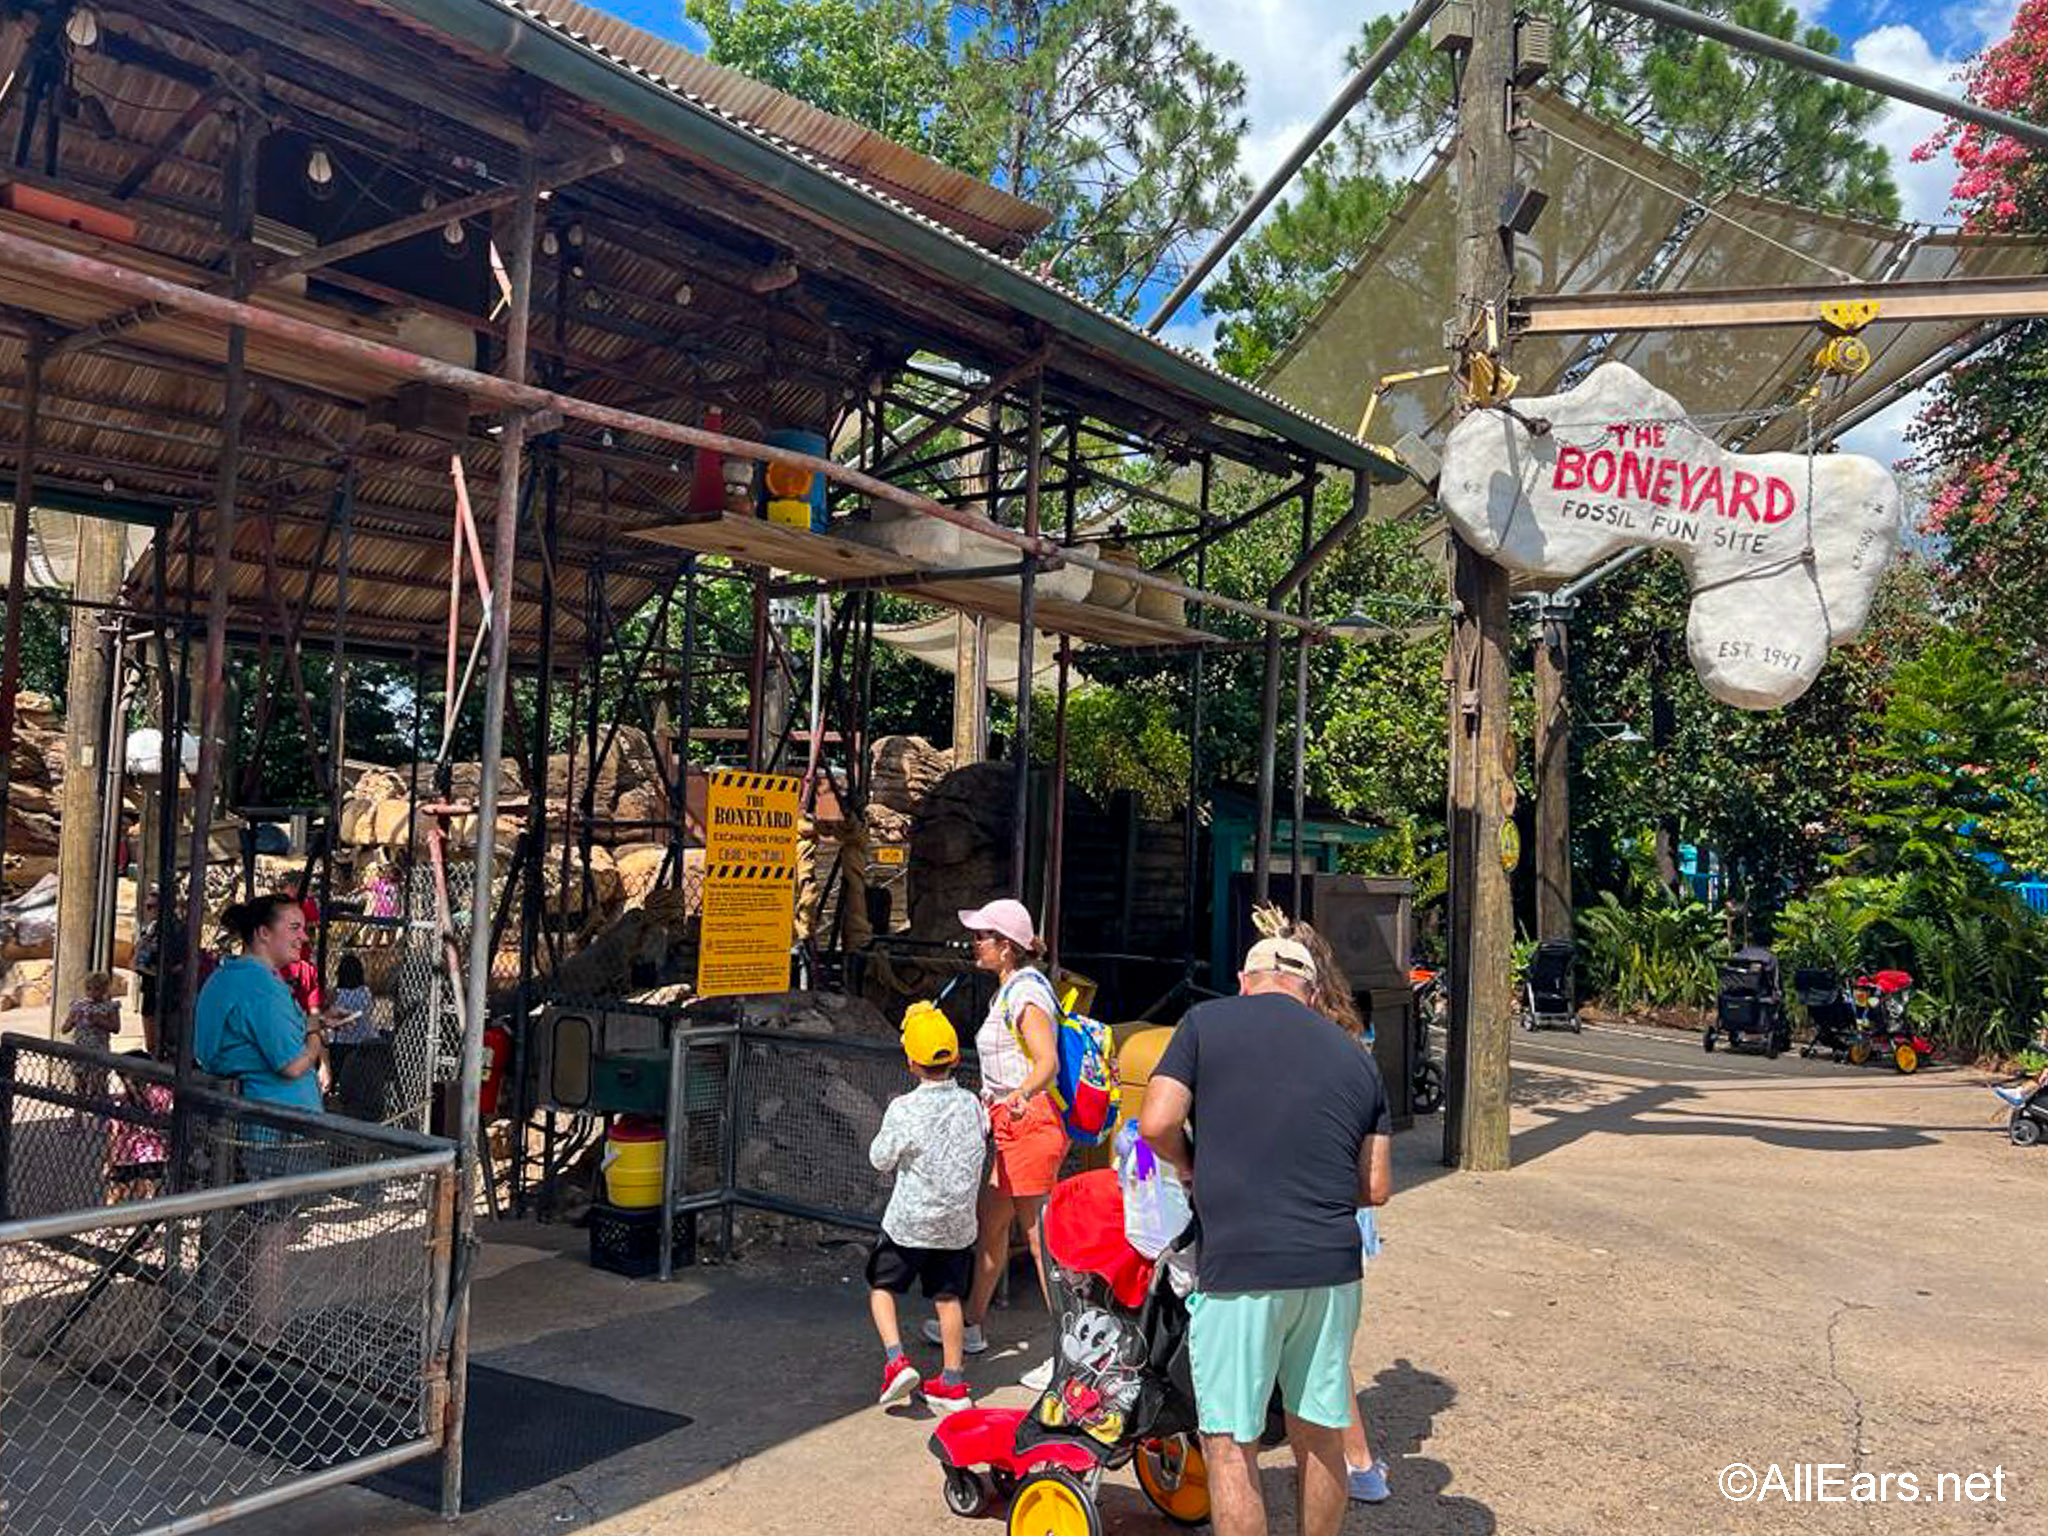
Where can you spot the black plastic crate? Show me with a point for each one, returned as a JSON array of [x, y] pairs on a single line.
[[628, 1242]]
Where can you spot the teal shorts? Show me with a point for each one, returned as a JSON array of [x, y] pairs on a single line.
[[1241, 1343]]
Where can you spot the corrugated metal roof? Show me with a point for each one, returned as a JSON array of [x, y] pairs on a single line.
[[468, 23], [987, 215]]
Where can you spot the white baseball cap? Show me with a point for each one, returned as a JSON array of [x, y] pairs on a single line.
[[1289, 957]]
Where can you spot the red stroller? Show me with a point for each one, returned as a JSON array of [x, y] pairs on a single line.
[[1120, 1393]]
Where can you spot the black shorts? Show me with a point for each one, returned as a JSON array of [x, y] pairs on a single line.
[[943, 1271]]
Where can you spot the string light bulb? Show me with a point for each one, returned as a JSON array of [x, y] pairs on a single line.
[[453, 234], [82, 26], [550, 243], [576, 235], [684, 295], [319, 169]]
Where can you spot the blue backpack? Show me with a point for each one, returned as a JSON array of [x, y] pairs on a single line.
[[1084, 1085]]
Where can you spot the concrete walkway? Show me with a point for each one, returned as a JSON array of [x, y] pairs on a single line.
[[1696, 1262]]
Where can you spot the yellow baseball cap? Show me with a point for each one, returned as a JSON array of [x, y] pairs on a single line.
[[929, 1039]]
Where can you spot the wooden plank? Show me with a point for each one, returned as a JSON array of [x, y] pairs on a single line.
[[756, 541], [1059, 616]]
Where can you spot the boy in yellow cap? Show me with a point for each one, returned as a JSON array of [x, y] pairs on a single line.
[[934, 1139]]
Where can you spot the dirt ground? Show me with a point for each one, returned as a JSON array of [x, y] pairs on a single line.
[[1695, 1262]]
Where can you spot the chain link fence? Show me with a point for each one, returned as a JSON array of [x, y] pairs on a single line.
[[206, 1304], [804, 1110]]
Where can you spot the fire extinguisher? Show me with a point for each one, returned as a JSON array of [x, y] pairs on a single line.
[[497, 1062]]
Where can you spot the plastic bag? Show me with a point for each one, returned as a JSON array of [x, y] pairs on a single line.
[[1156, 1208]]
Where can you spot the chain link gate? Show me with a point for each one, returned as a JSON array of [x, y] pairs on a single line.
[[256, 1316]]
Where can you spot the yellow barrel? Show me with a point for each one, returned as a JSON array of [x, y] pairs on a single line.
[[1138, 1049], [633, 1150]]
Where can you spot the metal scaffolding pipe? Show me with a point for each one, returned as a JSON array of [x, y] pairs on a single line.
[[17, 566], [34, 255], [518, 254], [1764, 45], [1351, 95]]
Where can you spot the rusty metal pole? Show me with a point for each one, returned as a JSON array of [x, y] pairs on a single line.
[[1055, 856], [1553, 782], [17, 562], [1297, 851], [337, 706], [517, 252], [239, 216], [1027, 644], [1482, 772], [1269, 746]]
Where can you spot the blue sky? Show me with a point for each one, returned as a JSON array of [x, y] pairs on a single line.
[[1292, 52]]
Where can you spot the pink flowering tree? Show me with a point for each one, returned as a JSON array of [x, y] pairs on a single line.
[[1984, 437]]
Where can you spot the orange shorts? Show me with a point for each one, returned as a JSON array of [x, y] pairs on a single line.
[[1029, 1150]]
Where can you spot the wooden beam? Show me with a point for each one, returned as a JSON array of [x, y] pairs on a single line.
[[2019, 297]]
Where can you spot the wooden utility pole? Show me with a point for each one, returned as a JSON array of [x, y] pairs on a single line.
[[1553, 782], [87, 704], [1482, 785]]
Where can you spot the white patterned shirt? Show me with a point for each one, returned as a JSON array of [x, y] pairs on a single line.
[[935, 1140]]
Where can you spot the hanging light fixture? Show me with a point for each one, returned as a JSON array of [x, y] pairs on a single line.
[[453, 234], [320, 170], [550, 243], [82, 26], [684, 295]]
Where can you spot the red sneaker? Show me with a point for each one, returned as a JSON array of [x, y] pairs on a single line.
[[947, 1397], [899, 1380]]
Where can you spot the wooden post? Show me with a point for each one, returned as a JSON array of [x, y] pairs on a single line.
[[83, 798], [1482, 775], [1553, 783]]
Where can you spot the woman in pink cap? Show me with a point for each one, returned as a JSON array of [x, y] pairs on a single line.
[[1019, 1054]]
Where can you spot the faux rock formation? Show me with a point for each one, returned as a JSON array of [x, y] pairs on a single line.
[[1784, 551]]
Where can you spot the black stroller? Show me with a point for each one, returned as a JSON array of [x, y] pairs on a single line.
[[1828, 1008], [1549, 994], [1749, 1009]]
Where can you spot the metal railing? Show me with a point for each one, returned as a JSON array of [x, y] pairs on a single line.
[[208, 1305]]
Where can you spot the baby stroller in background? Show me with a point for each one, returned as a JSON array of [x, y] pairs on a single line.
[[1749, 1008], [1836, 1029], [2028, 1123], [1121, 1393], [1549, 992]]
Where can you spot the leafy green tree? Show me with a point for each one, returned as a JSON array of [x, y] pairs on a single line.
[[887, 64], [1109, 114]]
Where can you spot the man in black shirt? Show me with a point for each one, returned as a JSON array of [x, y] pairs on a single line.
[[1291, 1136]]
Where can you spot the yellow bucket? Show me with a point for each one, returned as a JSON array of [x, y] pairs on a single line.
[[632, 1162]]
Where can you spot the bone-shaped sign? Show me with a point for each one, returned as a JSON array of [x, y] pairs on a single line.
[[1784, 550]]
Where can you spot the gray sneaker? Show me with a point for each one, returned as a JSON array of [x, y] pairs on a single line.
[[1038, 1378], [974, 1343]]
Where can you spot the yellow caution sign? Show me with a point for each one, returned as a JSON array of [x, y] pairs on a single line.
[[750, 874]]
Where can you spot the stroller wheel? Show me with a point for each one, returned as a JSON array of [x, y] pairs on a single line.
[[1527, 1019], [1427, 1095], [1173, 1476], [1906, 1059], [1707, 1040], [2025, 1132], [1859, 1053], [967, 1494], [1052, 1502]]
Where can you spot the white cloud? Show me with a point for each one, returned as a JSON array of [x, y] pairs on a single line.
[[1193, 329], [1883, 437], [1292, 53], [1902, 51]]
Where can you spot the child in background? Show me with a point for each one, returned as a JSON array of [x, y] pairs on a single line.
[[359, 1054], [139, 1150], [934, 1139], [92, 1021]]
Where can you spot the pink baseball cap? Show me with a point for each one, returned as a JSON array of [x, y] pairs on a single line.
[[1011, 919]]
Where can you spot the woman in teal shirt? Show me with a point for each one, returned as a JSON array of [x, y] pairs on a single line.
[[247, 1025]]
